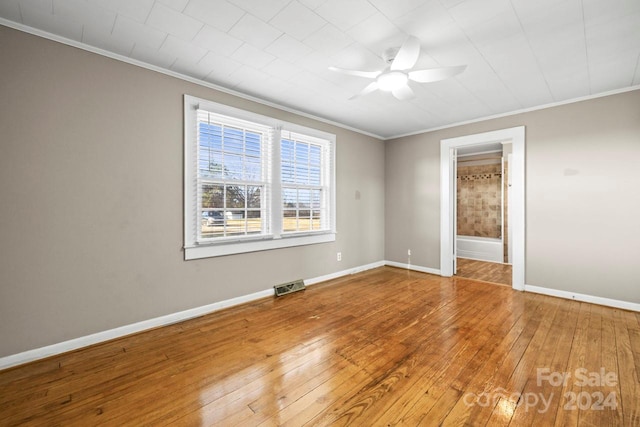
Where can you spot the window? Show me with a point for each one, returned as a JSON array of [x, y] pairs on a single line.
[[253, 182], [304, 191], [231, 177]]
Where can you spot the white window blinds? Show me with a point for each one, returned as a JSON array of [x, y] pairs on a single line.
[[305, 178], [253, 182], [233, 180]]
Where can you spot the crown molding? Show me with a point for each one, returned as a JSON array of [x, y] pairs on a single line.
[[524, 110], [74, 43]]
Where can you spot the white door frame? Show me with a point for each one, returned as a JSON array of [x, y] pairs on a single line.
[[516, 136]]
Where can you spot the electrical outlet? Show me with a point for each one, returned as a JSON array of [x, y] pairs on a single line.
[[409, 252], [339, 256]]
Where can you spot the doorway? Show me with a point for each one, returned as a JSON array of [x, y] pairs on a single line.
[[448, 166], [482, 213]]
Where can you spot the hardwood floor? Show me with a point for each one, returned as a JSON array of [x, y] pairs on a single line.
[[493, 272], [384, 347]]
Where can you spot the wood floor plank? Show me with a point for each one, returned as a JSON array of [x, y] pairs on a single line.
[[383, 347], [627, 373], [501, 414], [540, 396], [458, 373], [376, 399], [460, 411], [592, 363], [485, 271], [508, 381], [577, 358], [607, 415]]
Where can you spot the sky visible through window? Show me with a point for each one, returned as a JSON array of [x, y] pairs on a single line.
[[230, 153]]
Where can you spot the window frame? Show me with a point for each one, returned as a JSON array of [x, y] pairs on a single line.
[[276, 238]]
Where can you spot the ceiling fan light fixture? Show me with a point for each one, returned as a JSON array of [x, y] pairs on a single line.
[[392, 80], [395, 77]]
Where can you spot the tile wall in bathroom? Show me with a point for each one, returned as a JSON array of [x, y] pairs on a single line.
[[479, 200]]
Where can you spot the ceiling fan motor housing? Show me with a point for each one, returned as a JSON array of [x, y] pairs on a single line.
[[390, 54]]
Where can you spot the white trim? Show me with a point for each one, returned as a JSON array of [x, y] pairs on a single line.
[[74, 43], [625, 305], [76, 343], [111, 334], [495, 256], [521, 111], [413, 267], [516, 136], [481, 152], [342, 273], [99, 337], [240, 247]]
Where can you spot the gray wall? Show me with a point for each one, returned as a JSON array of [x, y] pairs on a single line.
[[582, 195], [91, 172]]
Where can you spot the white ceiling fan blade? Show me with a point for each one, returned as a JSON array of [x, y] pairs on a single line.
[[358, 73], [403, 93], [370, 88], [435, 74], [408, 54]]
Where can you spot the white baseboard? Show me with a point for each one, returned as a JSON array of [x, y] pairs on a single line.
[[481, 250], [344, 273], [626, 305], [76, 343], [480, 256], [413, 267]]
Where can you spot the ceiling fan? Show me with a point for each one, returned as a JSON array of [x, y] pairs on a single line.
[[395, 78]]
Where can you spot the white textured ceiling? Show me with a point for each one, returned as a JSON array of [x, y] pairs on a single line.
[[520, 53]]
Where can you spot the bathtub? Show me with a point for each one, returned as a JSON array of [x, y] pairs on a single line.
[[480, 248]]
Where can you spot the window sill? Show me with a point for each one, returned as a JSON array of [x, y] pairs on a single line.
[[239, 247]]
